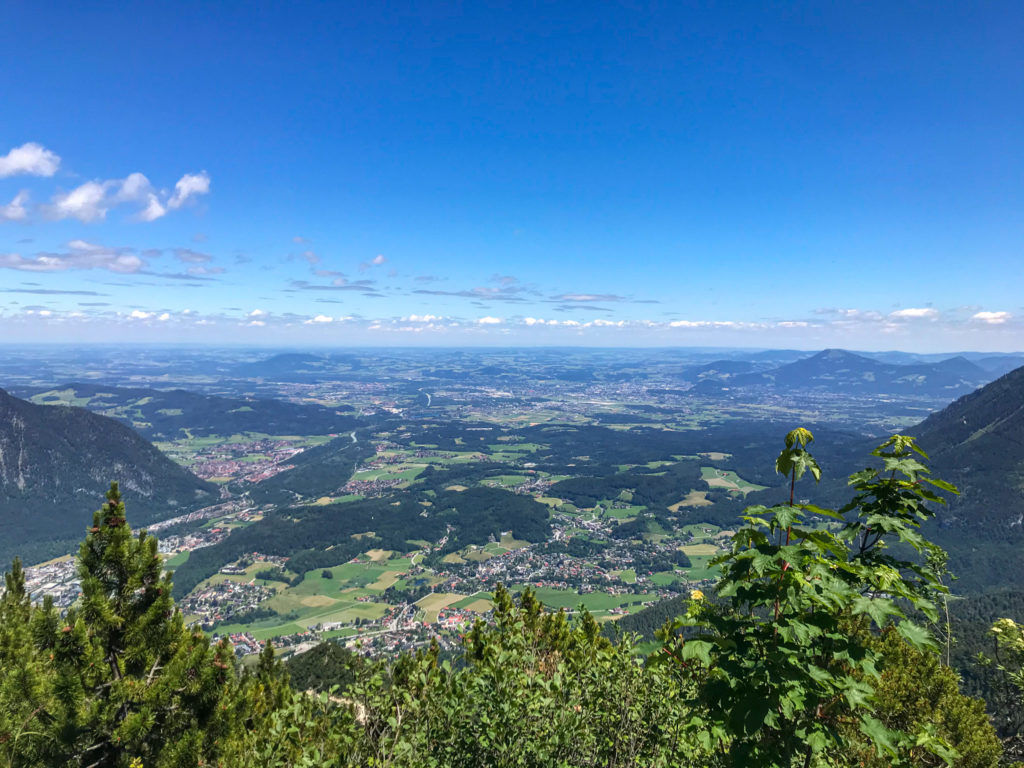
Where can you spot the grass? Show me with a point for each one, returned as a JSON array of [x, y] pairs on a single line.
[[434, 602], [727, 479], [262, 630], [622, 514], [549, 500], [175, 561], [627, 575], [595, 602], [343, 632], [664, 578], [699, 549], [479, 603], [692, 499], [477, 606], [60, 397], [507, 481], [700, 570]]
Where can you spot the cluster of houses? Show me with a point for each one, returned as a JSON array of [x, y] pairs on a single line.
[[227, 460], [243, 643], [369, 488], [223, 601], [59, 578], [204, 537]]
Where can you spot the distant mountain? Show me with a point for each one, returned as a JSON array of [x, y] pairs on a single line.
[[836, 370], [56, 463], [720, 369], [1000, 364], [776, 356], [169, 414], [297, 366]]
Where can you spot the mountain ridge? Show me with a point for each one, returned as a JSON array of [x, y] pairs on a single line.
[[840, 370]]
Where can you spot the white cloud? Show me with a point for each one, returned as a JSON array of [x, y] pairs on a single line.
[[30, 159], [84, 245], [258, 313], [86, 203], [138, 314], [792, 324], [80, 255], [704, 324], [421, 318], [320, 319], [914, 313], [587, 297], [489, 320], [135, 186], [189, 185], [91, 201], [991, 318], [257, 323], [201, 271], [164, 317], [376, 261], [531, 321], [15, 210], [192, 257], [153, 210]]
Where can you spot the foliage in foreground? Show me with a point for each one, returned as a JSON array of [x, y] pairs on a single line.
[[784, 667]]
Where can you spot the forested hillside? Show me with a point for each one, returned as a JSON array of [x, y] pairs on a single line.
[[170, 414], [55, 460], [978, 443]]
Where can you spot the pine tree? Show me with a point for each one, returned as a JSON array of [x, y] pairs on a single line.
[[23, 684], [131, 680]]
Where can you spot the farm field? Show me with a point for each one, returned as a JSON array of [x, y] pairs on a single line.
[[728, 480], [598, 603]]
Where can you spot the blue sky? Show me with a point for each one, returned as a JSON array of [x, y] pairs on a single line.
[[748, 174]]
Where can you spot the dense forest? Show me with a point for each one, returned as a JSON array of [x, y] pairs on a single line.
[[819, 647]]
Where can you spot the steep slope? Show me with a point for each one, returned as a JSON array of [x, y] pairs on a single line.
[[977, 443], [56, 463]]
